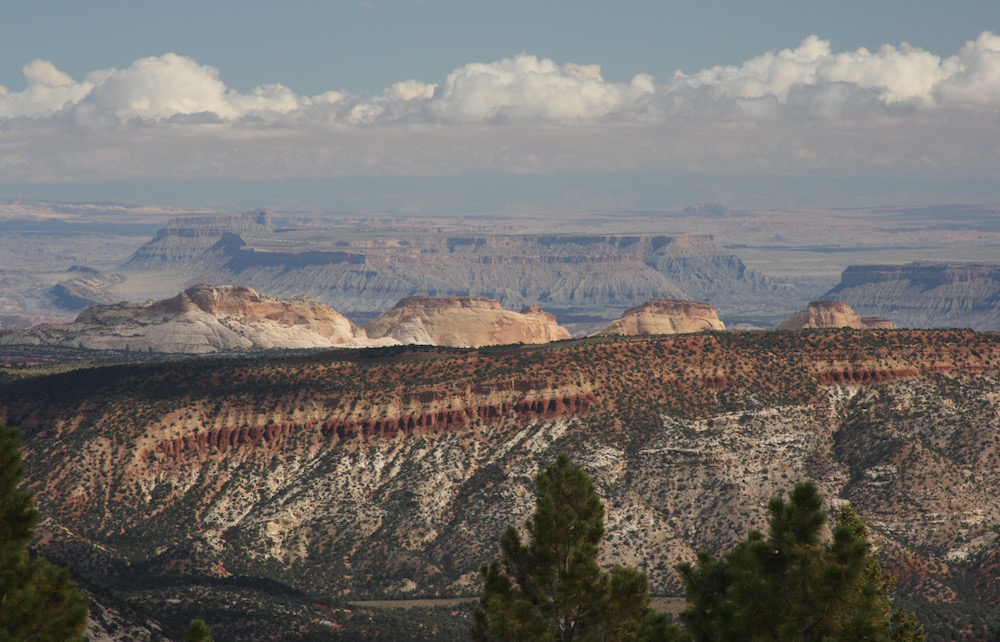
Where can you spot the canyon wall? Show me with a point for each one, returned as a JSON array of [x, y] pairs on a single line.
[[920, 295]]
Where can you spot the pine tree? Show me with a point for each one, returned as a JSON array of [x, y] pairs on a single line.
[[199, 631], [38, 601], [552, 588], [792, 586]]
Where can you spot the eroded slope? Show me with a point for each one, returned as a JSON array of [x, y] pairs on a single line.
[[394, 471]]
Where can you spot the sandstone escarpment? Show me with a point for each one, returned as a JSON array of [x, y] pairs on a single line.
[[546, 405], [464, 322], [202, 319], [371, 473], [924, 294], [824, 314], [576, 274], [665, 316], [187, 239]]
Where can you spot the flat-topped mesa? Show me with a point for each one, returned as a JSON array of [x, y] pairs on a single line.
[[877, 323], [665, 316], [925, 294], [187, 239], [824, 314], [256, 221], [926, 274], [464, 322], [202, 319]]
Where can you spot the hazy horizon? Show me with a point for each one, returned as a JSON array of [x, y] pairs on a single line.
[[646, 108]]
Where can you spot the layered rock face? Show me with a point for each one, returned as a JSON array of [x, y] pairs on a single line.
[[464, 322], [923, 294], [200, 320], [567, 274], [877, 323], [665, 316], [830, 314], [394, 475], [86, 288], [186, 239]]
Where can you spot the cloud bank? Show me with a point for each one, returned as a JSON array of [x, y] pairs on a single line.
[[898, 108], [528, 89]]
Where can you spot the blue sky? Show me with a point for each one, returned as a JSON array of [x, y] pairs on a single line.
[[292, 104]]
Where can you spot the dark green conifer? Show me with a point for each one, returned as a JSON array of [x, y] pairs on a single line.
[[552, 588], [199, 631], [38, 601], [792, 586]]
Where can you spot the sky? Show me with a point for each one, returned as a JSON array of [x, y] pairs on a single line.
[[451, 106]]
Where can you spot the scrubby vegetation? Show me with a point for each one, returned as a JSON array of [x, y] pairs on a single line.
[[292, 484], [788, 585]]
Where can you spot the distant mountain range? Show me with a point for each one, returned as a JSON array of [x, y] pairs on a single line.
[[588, 276]]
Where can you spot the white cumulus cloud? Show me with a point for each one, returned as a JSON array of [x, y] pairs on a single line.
[[810, 80], [806, 108], [528, 88], [973, 74], [43, 72]]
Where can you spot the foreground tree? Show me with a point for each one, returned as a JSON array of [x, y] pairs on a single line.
[[199, 631], [38, 601], [552, 588], [792, 586]]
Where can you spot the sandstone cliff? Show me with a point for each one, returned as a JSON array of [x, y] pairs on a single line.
[[824, 314], [464, 322], [665, 316], [924, 294], [202, 319]]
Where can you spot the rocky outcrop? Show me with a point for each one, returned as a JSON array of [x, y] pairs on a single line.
[[713, 210], [186, 239], [464, 322], [665, 316], [576, 274], [877, 323], [202, 319], [824, 314], [85, 288], [925, 294]]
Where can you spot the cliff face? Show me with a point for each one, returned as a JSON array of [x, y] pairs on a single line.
[[395, 472], [184, 240], [925, 294], [202, 319], [824, 314], [85, 288], [464, 322], [595, 274], [665, 316]]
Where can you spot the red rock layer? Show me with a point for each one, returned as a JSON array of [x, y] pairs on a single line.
[[222, 439]]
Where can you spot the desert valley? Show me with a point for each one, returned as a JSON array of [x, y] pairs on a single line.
[[290, 424]]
